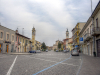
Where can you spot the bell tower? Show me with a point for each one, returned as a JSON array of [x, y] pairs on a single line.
[[67, 34], [33, 38]]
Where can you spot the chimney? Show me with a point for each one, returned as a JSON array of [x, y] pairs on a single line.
[[16, 31]]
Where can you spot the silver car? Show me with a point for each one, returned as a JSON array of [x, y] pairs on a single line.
[[46, 50], [38, 51], [64, 51], [74, 52]]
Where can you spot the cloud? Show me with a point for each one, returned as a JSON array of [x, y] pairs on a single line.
[[49, 17]]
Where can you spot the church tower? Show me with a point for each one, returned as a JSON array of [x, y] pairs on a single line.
[[67, 34], [33, 38]]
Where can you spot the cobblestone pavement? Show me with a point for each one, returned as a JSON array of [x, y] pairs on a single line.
[[49, 63], [90, 65]]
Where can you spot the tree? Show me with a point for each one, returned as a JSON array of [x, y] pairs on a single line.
[[43, 46], [59, 45]]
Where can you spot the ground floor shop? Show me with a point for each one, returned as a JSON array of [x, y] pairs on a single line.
[[6, 47], [22, 48]]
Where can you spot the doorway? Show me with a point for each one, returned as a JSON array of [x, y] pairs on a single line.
[[12, 48], [88, 49], [98, 48], [0, 48], [7, 48]]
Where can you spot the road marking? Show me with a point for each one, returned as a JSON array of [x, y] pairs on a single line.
[[51, 61], [53, 57], [52, 66], [80, 66], [10, 69], [50, 54]]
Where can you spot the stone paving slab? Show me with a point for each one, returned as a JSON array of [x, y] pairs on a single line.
[[21, 53], [90, 65]]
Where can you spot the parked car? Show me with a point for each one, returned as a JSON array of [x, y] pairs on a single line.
[[75, 52], [67, 50], [57, 50], [38, 51], [64, 51], [32, 51], [46, 50]]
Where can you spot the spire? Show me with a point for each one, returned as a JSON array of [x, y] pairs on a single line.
[[67, 30]]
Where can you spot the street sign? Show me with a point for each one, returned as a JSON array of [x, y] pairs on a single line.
[[76, 46], [81, 38]]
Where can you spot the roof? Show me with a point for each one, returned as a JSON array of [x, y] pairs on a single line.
[[6, 28], [22, 35], [77, 24], [70, 42], [97, 8]]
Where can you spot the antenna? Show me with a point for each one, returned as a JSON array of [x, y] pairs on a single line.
[[22, 31]]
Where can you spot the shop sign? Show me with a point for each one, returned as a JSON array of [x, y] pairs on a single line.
[[7, 42]]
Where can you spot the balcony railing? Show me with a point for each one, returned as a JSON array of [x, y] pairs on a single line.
[[96, 31], [76, 29], [87, 36]]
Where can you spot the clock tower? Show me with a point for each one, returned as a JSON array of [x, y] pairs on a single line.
[[67, 34], [33, 38]]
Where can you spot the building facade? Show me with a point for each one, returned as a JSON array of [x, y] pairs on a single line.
[[70, 42], [75, 33], [22, 43], [7, 40], [87, 44], [55, 46], [96, 29], [91, 34]]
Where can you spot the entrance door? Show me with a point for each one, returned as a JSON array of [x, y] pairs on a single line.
[[12, 48], [7, 48], [0, 48], [98, 48]]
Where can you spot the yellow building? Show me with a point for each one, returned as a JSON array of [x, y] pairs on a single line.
[[37, 45], [70, 44], [75, 32], [33, 38]]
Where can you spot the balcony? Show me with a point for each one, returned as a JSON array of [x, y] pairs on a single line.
[[87, 37], [96, 31], [76, 30]]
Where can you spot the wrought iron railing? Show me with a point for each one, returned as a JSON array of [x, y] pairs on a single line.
[[95, 29]]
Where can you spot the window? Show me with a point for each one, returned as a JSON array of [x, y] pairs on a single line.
[[20, 39], [7, 36], [23, 40], [16, 38], [1, 34], [97, 22], [12, 37]]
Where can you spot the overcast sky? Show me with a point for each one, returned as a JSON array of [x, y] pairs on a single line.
[[51, 18]]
